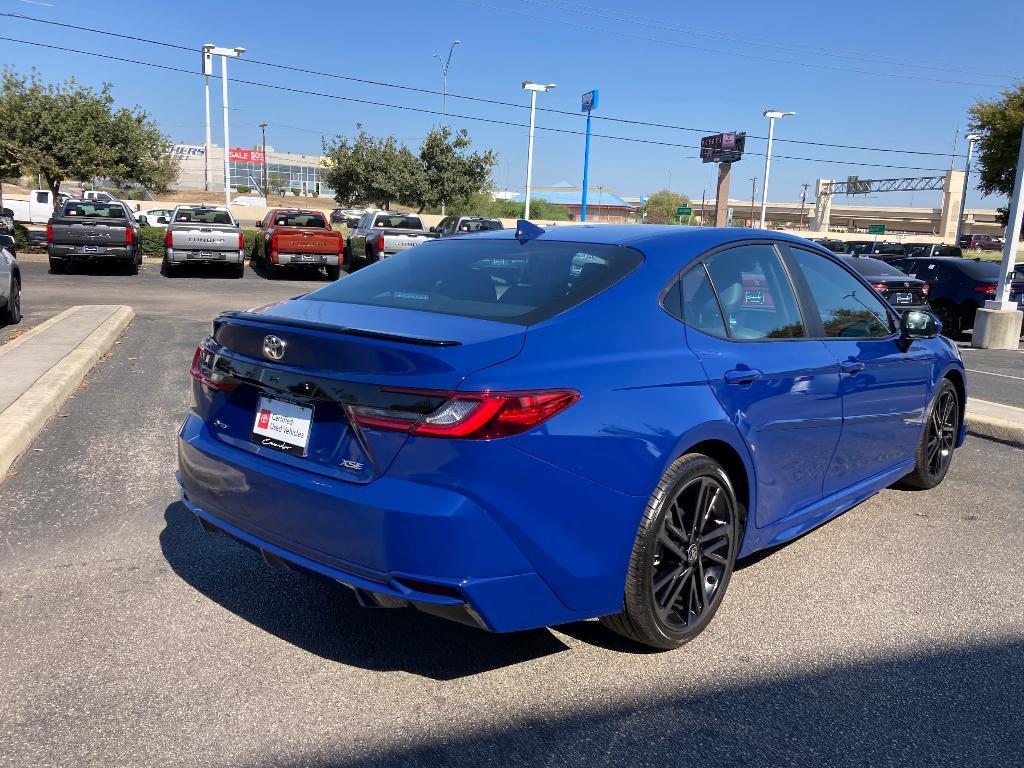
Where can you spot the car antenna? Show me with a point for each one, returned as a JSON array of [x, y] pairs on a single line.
[[527, 230]]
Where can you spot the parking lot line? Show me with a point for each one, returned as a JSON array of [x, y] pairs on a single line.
[[990, 373]]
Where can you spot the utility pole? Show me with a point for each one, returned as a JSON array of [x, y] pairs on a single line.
[[444, 98], [803, 202], [703, 195], [753, 197], [971, 139], [772, 115], [533, 88], [207, 71], [263, 128]]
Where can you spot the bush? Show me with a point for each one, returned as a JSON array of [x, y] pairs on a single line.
[[21, 241], [244, 190]]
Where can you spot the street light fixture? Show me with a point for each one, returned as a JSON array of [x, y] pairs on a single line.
[[772, 115], [444, 74], [209, 50], [534, 89], [971, 139]]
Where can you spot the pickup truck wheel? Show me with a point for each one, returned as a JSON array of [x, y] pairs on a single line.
[[56, 266], [11, 314], [168, 269], [272, 270], [238, 270], [333, 273], [133, 267]]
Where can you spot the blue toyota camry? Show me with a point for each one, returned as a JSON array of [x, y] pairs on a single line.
[[525, 427]]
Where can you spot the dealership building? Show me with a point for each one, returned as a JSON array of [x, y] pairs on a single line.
[[286, 172]]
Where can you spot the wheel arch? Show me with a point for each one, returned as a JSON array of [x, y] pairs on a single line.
[[956, 377]]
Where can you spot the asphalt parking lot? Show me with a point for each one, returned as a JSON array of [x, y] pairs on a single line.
[[894, 635]]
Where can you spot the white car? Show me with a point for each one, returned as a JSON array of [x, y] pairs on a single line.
[[153, 217], [10, 283]]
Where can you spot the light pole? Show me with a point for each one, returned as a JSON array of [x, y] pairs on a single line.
[[753, 195], [207, 71], [263, 129], [589, 104], [444, 74], [225, 53], [971, 139], [771, 114], [533, 88]]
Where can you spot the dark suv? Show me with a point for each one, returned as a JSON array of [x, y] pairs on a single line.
[[979, 243], [879, 250], [930, 250], [958, 286]]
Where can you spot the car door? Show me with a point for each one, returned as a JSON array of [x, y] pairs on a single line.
[[776, 384], [885, 388]]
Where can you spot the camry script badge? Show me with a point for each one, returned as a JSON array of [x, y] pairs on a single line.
[[273, 348]]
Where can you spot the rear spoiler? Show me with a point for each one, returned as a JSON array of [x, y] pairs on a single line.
[[258, 319]]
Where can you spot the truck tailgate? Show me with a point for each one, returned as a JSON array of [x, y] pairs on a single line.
[[208, 238], [88, 233], [307, 240]]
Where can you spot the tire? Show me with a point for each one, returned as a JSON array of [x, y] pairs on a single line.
[[677, 559], [333, 273], [938, 439], [57, 266], [238, 271], [132, 267], [272, 270], [949, 316], [10, 314], [167, 268], [348, 252]]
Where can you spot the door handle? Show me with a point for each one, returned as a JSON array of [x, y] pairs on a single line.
[[742, 376], [851, 366]]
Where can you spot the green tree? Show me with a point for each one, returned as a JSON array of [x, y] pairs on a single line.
[[374, 170], [999, 122], [70, 131], [452, 174], [660, 207]]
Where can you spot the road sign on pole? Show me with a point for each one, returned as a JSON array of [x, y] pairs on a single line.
[[589, 104], [876, 229], [684, 210]]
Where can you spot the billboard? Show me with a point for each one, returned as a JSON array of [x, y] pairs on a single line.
[[723, 147], [240, 155], [589, 101]]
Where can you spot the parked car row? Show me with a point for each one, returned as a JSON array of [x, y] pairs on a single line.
[[887, 250]]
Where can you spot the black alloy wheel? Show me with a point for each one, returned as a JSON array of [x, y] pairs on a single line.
[[683, 557], [949, 318], [938, 441]]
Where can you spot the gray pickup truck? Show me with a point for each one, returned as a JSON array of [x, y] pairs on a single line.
[[203, 234], [381, 234], [93, 231]]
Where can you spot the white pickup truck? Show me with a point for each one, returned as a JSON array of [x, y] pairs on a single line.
[[37, 209], [381, 234], [203, 234]]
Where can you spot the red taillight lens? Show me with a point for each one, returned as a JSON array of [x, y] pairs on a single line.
[[925, 288], [985, 288], [49, 233], [880, 287], [202, 371], [380, 245], [129, 236], [473, 415], [168, 239], [241, 241], [273, 248]]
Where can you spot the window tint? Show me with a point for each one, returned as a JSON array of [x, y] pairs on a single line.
[[94, 210], [847, 307], [700, 307], [873, 267], [203, 216], [292, 219], [949, 250], [503, 280], [858, 247], [398, 221], [672, 301], [755, 293], [890, 249]]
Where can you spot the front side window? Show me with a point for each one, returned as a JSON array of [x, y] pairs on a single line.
[[756, 297], [847, 307]]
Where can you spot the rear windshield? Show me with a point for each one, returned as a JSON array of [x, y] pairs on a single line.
[[300, 220], [503, 280], [95, 210], [203, 216], [873, 267], [890, 249], [948, 250], [858, 247], [479, 225], [398, 221]]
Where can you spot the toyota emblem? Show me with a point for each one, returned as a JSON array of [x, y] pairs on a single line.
[[273, 348]]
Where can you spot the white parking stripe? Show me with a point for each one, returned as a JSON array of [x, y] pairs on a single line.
[[1001, 375]]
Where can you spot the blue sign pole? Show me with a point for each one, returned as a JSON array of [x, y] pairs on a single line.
[[589, 103]]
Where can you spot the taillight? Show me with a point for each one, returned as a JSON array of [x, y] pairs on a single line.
[[472, 415], [880, 287], [203, 371], [49, 233], [168, 239], [985, 288], [380, 245], [241, 241], [925, 288], [273, 248], [129, 236]]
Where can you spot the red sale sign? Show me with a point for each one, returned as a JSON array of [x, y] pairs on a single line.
[[240, 155]]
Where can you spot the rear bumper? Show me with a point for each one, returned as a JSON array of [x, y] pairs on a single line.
[[318, 260], [102, 253], [183, 256], [440, 545]]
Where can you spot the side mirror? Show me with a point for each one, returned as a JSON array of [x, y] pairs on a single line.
[[918, 324]]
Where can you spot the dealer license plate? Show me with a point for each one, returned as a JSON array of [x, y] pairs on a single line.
[[282, 426], [91, 248], [904, 298]]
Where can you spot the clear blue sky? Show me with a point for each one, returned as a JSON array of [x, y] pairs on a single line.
[[845, 69]]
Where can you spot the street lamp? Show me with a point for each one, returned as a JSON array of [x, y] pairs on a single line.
[[533, 88], [444, 74], [265, 180], [971, 139], [209, 49], [771, 114]]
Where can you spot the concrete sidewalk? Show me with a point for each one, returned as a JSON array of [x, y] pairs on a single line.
[[995, 421], [41, 368]]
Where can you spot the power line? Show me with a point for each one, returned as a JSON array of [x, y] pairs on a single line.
[[423, 110], [478, 99]]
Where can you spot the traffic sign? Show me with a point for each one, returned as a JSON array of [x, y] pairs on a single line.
[[876, 229], [684, 210]]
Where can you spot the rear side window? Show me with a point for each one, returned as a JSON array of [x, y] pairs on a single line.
[[755, 294], [700, 307], [92, 210], [847, 307], [398, 221], [503, 280]]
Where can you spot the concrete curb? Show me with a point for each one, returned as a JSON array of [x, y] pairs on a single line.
[[996, 421], [26, 416]]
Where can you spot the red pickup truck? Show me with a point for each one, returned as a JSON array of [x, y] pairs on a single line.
[[296, 239]]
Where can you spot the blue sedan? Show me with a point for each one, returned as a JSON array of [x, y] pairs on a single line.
[[525, 427]]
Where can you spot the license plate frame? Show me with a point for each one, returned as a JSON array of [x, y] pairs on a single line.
[[904, 298], [90, 249], [282, 425]]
